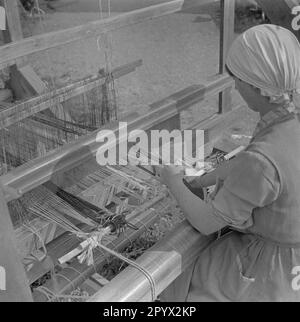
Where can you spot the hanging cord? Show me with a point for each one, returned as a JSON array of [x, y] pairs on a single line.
[[36, 10], [38, 235], [41, 15], [4, 163], [58, 109], [47, 205], [111, 98]]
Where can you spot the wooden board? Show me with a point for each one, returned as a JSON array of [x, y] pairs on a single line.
[[13, 19], [25, 83], [226, 38], [215, 125], [32, 81]]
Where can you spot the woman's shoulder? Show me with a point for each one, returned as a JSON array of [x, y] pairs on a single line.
[[276, 144], [256, 166], [256, 159], [284, 134]]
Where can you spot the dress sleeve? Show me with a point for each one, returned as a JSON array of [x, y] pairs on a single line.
[[253, 183]]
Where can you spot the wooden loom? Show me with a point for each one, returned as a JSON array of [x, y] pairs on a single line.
[[174, 253]]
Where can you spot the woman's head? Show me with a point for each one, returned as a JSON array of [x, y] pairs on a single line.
[[265, 62]]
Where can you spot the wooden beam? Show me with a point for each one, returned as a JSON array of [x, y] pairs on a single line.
[[20, 111], [31, 81], [215, 125], [196, 93], [11, 34], [120, 5], [164, 262], [11, 52], [226, 38], [99, 279], [14, 30], [13, 282], [37, 172], [26, 83], [227, 30]]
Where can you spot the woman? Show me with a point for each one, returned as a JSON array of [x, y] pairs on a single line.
[[260, 197]]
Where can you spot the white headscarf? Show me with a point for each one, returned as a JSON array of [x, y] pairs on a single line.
[[268, 57]]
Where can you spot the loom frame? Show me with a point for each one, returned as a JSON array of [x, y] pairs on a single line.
[[162, 115]]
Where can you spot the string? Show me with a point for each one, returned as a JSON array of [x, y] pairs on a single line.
[[41, 20], [36, 232], [42, 203], [109, 86], [137, 266]]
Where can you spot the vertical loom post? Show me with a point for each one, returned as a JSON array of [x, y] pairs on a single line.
[[13, 20], [226, 38], [14, 33], [14, 286]]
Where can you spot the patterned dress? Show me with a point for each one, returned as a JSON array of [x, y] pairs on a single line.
[[260, 200]]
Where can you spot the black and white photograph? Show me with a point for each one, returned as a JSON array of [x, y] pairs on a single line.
[[149, 154]]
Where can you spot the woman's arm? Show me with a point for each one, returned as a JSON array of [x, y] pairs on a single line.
[[210, 179], [198, 213]]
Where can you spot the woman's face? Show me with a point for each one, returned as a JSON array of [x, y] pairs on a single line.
[[250, 94], [247, 91]]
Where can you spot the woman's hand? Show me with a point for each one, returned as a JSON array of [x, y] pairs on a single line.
[[220, 173], [169, 174], [197, 212]]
